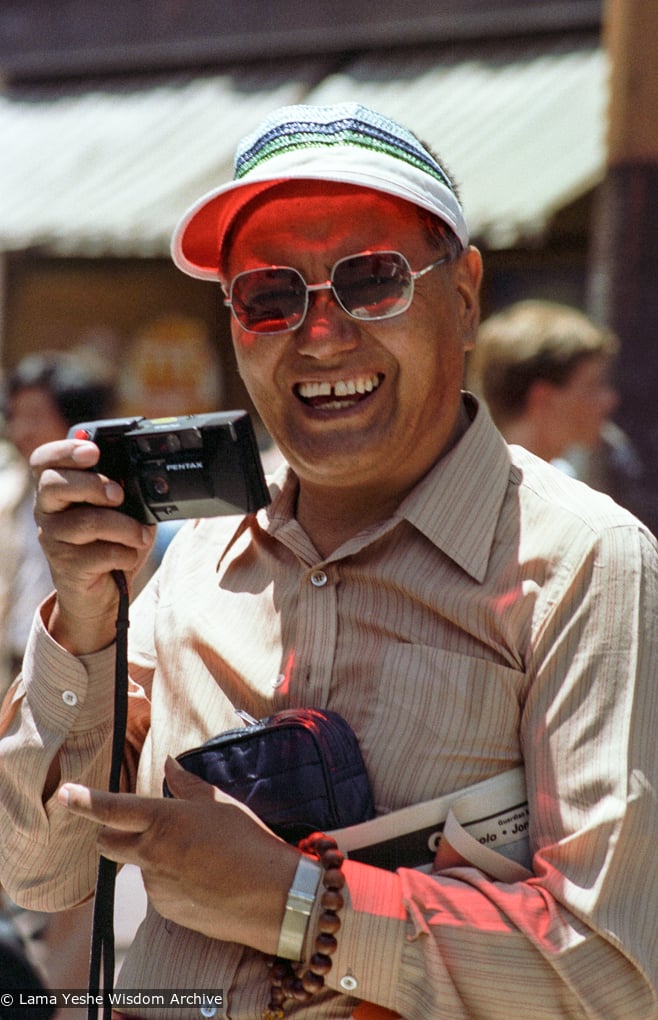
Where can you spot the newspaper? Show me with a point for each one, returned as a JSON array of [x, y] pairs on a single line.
[[485, 825]]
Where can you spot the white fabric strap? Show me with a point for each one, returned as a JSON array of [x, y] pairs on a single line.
[[492, 862], [485, 824]]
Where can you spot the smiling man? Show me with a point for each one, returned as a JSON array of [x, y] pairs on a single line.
[[360, 403], [461, 604]]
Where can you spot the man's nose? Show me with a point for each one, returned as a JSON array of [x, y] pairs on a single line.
[[327, 329]]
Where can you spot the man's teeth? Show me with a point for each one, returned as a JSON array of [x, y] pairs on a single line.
[[343, 388]]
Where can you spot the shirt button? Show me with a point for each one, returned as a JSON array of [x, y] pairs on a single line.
[[434, 840], [208, 1011], [70, 698], [349, 983], [279, 680], [318, 578]]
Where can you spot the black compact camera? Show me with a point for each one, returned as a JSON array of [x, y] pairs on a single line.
[[199, 465]]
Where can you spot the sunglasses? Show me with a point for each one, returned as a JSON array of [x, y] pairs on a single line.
[[369, 286]]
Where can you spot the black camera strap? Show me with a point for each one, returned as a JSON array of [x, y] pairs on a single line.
[[102, 935]]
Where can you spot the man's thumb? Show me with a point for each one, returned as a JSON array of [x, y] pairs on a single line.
[[184, 784]]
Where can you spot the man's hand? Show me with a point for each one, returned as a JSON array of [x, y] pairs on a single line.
[[207, 861], [85, 539]]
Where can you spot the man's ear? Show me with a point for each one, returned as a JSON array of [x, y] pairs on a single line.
[[469, 280]]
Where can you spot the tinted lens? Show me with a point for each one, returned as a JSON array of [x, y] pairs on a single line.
[[269, 300], [373, 286]]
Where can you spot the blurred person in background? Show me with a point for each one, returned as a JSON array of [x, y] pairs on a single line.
[[44, 395], [544, 370]]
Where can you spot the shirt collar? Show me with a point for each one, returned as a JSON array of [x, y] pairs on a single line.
[[457, 505]]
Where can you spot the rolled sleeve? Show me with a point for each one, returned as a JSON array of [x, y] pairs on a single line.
[[67, 694], [62, 706]]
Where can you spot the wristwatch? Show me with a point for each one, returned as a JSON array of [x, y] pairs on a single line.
[[301, 897]]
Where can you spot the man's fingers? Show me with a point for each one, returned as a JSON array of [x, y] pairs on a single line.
[[118, 846], [60, 487], [72, 453], [185, 785], [123, 811], [61, 476]]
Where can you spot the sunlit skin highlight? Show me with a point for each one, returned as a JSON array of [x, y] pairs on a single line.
[[356, 458]]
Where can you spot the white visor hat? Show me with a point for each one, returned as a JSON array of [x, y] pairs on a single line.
[[345, 143]]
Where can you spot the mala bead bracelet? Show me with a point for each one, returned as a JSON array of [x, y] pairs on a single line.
[[290, 980]]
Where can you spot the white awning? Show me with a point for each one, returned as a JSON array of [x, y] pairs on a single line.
[[109, 171]]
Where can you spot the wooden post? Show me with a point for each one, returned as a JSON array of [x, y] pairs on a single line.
[[624, 271]]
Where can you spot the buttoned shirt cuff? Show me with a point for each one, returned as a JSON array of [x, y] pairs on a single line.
[[373, 931], [73, 694]]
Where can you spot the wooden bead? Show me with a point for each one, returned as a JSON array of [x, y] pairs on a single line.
[[332, 900], [333, 879], [312, 982], [320, 964], [288, 984], [278, 973], [332, 859], [328, 922], [299, 993], [323, 845], [325, 944]]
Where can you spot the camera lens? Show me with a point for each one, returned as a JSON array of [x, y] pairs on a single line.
[[159, 485]]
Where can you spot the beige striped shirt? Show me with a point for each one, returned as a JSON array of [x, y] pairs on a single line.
[[504, 614]]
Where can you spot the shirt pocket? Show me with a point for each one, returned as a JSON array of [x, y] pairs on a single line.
[[437, 722]]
